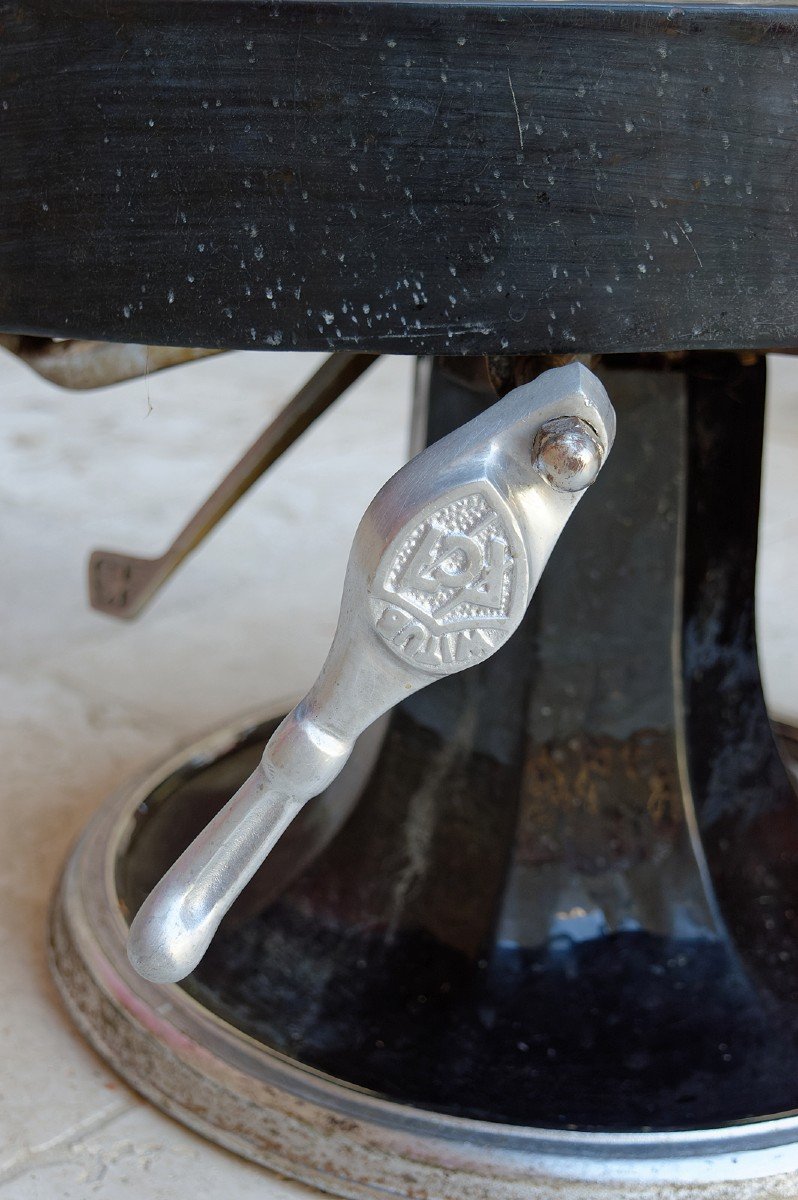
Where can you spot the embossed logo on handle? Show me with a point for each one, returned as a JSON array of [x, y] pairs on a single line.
[[445, 592]]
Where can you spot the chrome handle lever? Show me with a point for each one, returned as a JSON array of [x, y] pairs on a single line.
[[441, 571]]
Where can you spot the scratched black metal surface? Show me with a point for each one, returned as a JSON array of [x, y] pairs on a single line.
[[418, 177]]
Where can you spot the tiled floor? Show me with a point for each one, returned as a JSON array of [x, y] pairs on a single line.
[[86, 703]]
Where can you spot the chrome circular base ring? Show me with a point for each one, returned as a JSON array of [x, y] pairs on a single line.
[[330, 1134]]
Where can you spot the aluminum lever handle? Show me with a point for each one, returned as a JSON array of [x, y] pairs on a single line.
[[442, 568]]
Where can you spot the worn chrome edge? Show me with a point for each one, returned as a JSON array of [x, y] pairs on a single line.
[[323, 1131]]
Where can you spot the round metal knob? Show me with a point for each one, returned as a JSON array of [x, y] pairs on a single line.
[[568, 454]]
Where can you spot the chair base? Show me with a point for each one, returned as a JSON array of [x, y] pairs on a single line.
[[307, 1125]]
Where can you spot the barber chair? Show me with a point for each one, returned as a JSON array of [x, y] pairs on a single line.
[[540, 936]]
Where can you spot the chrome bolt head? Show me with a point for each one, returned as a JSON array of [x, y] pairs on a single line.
[[568, 454]]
